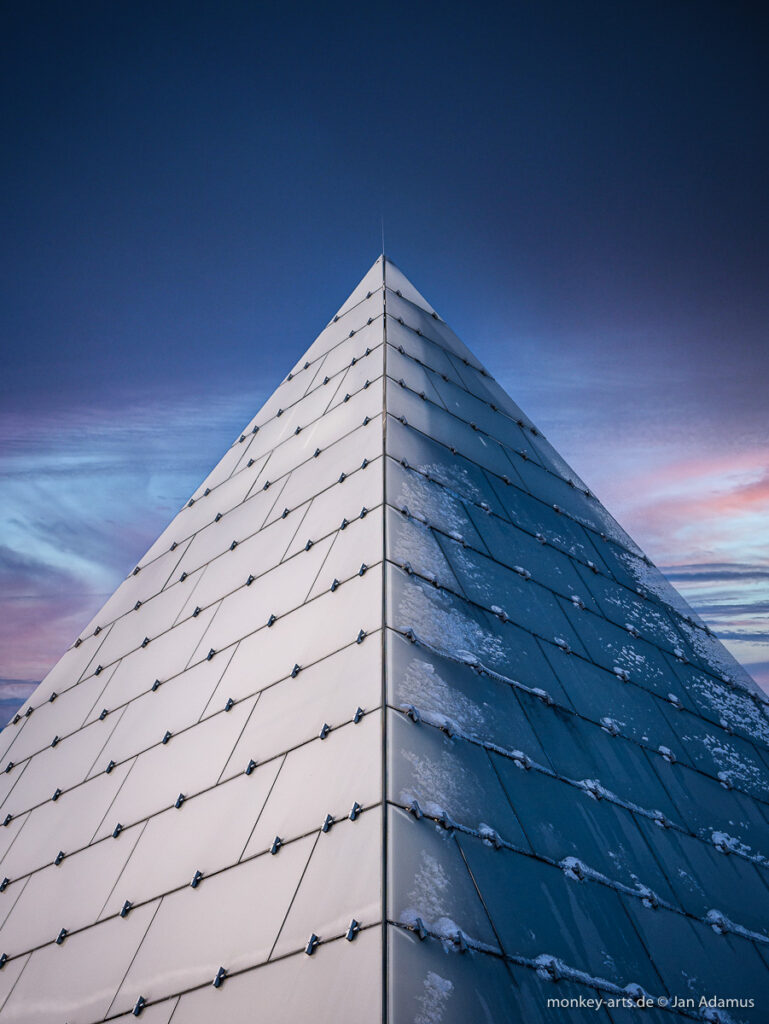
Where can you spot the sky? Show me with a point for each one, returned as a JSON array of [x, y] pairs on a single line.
[[189, 190]]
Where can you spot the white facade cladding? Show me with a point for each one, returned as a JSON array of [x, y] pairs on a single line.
[[392, 722]]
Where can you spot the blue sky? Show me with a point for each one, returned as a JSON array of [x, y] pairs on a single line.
[[190, 190]]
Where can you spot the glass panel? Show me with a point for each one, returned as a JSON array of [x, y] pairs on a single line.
[[197, 931], [537, 910], [549, 457], [67, 670], [70, 895], [692, 959], [476, 410], [624, 608], [66, 824], [606, 700], [448, 776], [706, 808], [207, 833], [704, 879], [429, 457], [334, 425], [412, 545], [579, 751], [543, 523], [64, 716], [154, 617], [404, 371], [59, 767], [149, 581], [721, 703], [343, 881], [319, 474], [420, 348], [167, 656], [239, 524], [276, 593], [194, 518], [718, 754], [555, 491], [336, 334], [494, 586], [429, 881], [340, 982], [343, 500], [597, 832], [221, 471], [320, 778], [340, 360], [304, 413], [459, 630], [252, 557], [612, 647], [427, 985], [716, 657], [359, 544], [370, 283], [448, 430], [416, 318], [398, 282], [188, 763], [326, 624], [513, 547], [444, 692], [8, 836], [10, 976], [435, 504], [296, 709], [69, 971], [635, 572], [349, 378], [288, 393], [175, 705]]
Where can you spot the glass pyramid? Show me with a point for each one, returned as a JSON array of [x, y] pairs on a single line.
[[392, 722]]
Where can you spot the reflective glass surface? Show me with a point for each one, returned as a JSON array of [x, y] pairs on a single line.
[[565, 744]]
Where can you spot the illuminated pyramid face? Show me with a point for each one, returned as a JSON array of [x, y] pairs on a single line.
[[393, 721]]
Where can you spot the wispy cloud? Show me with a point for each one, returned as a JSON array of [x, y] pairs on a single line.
[[715, 572], [84, 493]]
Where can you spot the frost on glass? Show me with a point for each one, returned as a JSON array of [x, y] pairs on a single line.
[[448, 778], [456, 629], [456, 698], [702, 878], [429, 883]]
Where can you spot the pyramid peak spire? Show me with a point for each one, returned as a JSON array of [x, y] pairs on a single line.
[[394, 676]]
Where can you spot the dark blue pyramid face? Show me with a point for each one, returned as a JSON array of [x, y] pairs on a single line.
[[562, 726], [393, 721]]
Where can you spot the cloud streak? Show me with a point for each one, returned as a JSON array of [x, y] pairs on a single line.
[[84, 494]]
